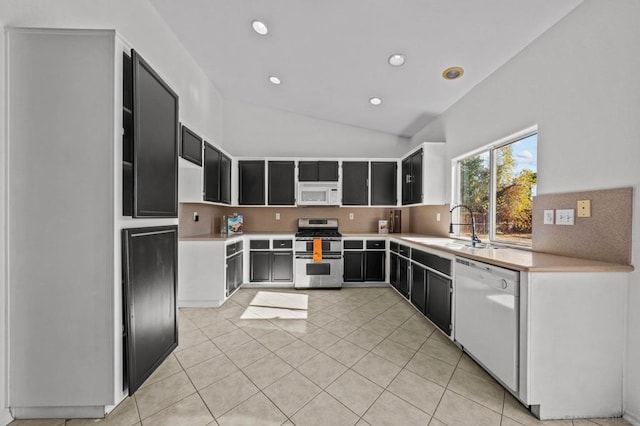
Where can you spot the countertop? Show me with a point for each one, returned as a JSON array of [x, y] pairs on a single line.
[[217, 237], [518, 259]]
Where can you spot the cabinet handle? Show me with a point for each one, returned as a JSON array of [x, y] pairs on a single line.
[[408, 179]]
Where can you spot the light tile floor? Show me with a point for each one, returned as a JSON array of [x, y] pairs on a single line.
[[362, 356]]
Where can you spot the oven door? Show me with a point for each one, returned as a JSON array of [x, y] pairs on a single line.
[[324, 274]]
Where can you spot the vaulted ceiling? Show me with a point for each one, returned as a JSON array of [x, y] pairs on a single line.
[[331, 56]]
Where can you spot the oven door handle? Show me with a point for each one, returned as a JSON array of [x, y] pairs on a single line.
[[310, 257]]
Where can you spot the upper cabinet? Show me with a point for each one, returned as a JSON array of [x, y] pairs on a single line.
[[191, 146], [318, 171], [423, 175], [282, 183], [217, 175], [355, 183], [384, 183], [212, 157], [412, 178], [155, 143], [251, 182]]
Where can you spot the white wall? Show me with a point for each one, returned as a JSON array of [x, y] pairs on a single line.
[[579, 83], [257, 131], [138, 22]]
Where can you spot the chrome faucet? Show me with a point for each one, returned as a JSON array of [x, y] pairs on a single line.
[[474, 238]]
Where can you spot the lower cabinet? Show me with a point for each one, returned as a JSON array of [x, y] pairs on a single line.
[[419, 287], [149, 289], [425, 279], [431, 288], [267, 265], [438, 308], [364, 265], [271, 266], [282, 266], [234, 273], [208, 271]]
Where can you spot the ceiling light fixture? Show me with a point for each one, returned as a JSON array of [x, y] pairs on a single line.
[[396, 60], [452, 73], [375, 101], [259, 27], [275, 80]]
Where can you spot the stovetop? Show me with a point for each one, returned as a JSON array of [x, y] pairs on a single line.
[[318, 228], [318, 233]]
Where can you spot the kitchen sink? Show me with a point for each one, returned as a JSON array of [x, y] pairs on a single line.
[[450, 243]]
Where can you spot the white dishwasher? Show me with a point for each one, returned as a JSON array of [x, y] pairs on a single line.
[[486, 317]]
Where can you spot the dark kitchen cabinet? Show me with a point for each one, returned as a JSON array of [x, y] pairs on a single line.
[[234, 266], [282, 183], [217, 175], [225, 179], [318, 171], [364, 265], [149, 276], [271, 265], [234, 273], [251, 182], [355, 183], [412, 178], [384, 183], [154, 143], [282, 266], [431, 287], [127, 136], [419, 287], [260, 266], [191, 146], [394, 260], [438, 308], [374, 265], [212, 186], [403, 276], [353, 266]]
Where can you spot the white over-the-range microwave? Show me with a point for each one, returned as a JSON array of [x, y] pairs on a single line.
[[318, 194]]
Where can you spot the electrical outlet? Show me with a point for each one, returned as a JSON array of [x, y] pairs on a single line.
[[548, 217], [277, 216], [196, 218], [565, 217], [584, 208], [350, 216], [437, 217]]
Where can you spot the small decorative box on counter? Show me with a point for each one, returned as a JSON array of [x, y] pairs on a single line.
[[383, 227], [235, 224]]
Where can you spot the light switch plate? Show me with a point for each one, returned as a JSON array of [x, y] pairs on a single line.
[[565, 217], [584, 208], [548, 217]]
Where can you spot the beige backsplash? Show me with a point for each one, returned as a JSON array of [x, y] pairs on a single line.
[[262, 219], [423, 220], [605, 236]]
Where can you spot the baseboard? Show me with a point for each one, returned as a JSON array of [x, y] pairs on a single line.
[[5, 417], [200, 303], [83, 412], [632, 418]]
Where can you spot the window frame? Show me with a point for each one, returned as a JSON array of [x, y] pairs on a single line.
[[456, 176]]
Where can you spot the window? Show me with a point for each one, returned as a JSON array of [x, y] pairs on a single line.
[[498, 184]]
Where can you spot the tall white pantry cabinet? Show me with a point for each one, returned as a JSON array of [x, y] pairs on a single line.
[[64, 217]]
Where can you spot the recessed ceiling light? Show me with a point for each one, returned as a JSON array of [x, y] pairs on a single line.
[[452, 73], [259, 27], [275, 80], [375, 101], [396, 60]]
